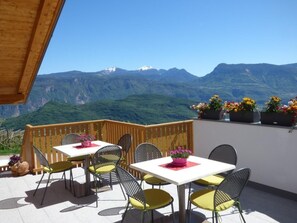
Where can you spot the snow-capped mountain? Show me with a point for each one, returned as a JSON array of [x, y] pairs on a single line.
[[111, 69], [145, 68]]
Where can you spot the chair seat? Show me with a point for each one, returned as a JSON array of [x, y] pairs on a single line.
[[155, 198], [205, 199], [102, 169], [153, 180], [58, 167], [210, 180], [76, 158]]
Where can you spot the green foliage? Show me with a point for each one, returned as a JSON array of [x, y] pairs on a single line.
[[141, 109], [10, 141]]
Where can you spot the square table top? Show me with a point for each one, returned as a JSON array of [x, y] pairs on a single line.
[[73, 150], [198, 168]]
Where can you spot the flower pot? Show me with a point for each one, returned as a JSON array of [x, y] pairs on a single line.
[[179, 161], [86, 143], [210, 114], [14, 169], [244, 116], [20, 169], [275, 118]]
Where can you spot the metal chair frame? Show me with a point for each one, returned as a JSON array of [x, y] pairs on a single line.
[[70, 138], [44, 162], [222, 153], [147, 151], [229, 189], [133, 190], [107, 155], [125, 142]]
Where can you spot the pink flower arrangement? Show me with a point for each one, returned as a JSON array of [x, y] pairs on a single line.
[[85, 137], [14, 159], [180, 152]]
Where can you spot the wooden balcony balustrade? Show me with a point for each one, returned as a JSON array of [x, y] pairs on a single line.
[[165, 136]]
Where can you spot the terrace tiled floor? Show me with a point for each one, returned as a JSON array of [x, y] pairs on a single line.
[[18, 205]]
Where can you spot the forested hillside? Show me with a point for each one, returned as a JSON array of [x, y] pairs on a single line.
[[141, 109]]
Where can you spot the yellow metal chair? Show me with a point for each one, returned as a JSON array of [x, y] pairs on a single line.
[[225, 196], [144, 200], [104, 161], [125, 142], [147, 151], [57, 167], [223, 153]]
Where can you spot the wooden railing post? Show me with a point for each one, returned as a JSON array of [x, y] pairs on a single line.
[[27, 147]]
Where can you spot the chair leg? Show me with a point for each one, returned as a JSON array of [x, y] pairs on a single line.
[[141, 183], [189, 194], [240, 211], [152, 215], [189, 208], [172, 209], [216, 215], [72, 181], [45, 188], [110, 181], [121, 186], [124, 215], [64, 176], [95, 178], [38, 184], [142, 216]]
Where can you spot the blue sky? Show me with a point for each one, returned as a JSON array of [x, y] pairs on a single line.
[[192, 34]]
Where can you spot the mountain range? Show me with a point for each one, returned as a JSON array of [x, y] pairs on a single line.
[[231, 81]]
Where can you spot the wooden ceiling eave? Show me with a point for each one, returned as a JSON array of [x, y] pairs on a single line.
[[40, 38], [12, 98]]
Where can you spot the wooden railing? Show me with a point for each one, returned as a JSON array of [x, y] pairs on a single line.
[[165, 136]]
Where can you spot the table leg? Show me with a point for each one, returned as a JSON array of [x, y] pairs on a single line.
[[87, 173], [181, 202]]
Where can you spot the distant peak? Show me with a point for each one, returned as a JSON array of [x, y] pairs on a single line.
[[146, 68], [111, 69]]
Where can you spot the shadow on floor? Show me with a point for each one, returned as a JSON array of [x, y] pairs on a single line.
[[11, 203]]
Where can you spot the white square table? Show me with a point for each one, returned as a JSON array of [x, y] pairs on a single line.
[[199, 168], [73, 150]]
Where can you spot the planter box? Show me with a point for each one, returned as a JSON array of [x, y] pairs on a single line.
[[244, 116], [272, 118], [214, 115]]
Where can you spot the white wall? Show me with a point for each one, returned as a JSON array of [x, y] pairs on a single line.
[[270, 151]]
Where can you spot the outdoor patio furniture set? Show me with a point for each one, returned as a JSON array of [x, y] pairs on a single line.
[[222, 183]]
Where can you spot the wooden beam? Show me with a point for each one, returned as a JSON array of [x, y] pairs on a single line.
[[46, 20], [11, 98]]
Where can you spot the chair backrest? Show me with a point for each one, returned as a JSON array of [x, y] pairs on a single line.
[[146, 151], [125, 142], [224, 153], [43, 161], [70, 138], [130, 184], [110, 154], [232, 186]]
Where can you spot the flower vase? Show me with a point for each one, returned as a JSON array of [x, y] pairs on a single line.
[[179, 161], [86, 143]]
